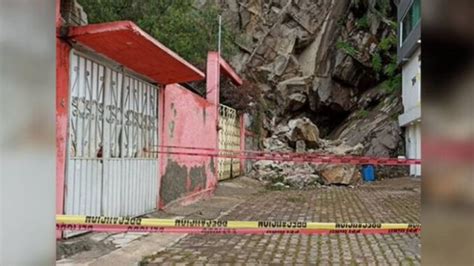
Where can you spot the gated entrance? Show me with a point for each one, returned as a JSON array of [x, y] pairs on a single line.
[[113, 120], [229, 139]]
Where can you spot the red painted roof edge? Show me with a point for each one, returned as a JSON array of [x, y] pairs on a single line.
[[229, 71], [128, 25]]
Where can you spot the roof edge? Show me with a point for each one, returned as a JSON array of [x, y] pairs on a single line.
[[90, 29]]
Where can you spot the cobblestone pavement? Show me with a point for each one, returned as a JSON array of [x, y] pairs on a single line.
[[389, 201]]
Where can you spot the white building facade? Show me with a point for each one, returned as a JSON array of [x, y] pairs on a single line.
[[409, 56]]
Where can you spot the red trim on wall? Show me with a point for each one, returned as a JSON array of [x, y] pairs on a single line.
[[62, 107], [229, 72]]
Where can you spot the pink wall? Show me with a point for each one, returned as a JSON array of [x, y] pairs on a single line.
[[188, 120]]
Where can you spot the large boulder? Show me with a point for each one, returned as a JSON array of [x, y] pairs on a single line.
[[292, 93], [341, 174], [303, 129]]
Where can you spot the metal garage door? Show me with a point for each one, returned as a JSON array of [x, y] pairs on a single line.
[[113, 120]]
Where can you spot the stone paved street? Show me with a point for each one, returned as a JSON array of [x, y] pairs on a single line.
[[387, 201]]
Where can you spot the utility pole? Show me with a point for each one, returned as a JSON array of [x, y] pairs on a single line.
[[219, 35]]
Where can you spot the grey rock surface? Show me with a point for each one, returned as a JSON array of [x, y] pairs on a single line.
[[314, 60]]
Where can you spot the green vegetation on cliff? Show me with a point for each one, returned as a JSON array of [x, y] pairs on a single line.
[[189, 31]]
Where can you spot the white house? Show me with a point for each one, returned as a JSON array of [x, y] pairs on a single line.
[[409, 56]]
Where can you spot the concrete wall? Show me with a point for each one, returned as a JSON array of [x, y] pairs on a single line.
[[188, 120], [411, 89], [411, 117]]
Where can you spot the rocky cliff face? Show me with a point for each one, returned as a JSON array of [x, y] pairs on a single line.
[[314, 60]]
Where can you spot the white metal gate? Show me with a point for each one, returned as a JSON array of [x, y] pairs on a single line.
[[113, 122], [229, 139]]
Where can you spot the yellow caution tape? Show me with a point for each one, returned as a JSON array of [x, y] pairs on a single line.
[[137, 221]]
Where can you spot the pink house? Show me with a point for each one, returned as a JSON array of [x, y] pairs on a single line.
[[119, 106]]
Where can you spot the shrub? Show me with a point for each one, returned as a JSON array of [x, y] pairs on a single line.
[[347, 48]]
